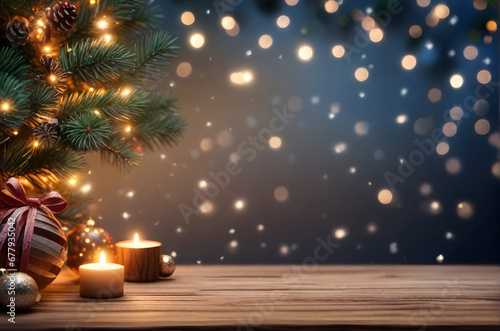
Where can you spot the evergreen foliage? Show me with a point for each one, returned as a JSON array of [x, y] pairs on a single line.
[[98, 89]]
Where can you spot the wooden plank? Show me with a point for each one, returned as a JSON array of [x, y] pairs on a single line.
[[283, 297]]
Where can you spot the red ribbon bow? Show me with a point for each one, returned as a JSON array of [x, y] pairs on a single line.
[[13, 202]]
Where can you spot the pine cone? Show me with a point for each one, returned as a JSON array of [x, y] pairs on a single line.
[[17, 32], [46, 133], [62, 16], [53, 73]]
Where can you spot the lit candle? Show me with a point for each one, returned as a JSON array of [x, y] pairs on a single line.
[[101, 280], [141, 259]]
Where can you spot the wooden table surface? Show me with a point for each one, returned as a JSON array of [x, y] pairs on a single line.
[[283, 297]]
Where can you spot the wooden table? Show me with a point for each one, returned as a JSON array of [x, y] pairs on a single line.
[[283, 297]]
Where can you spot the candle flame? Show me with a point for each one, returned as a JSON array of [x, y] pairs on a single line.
[[136, 239], [102, 259]]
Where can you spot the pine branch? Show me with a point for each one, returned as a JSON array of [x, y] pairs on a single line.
[[20, 158], [16, 7], [77, 211], [13, 63], [160, 126], [44, 101], [124, 14], [153, 52], [95, 62], [85, 24], [146, 18], [86, 131], [14, 102], [118, 104], [119, 153]]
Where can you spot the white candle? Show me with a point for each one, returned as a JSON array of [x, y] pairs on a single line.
[[101, 280], [141, 259]]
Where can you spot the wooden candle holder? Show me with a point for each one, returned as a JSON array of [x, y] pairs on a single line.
[[141, 262]]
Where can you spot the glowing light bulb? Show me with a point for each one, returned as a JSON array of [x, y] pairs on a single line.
[[52, 78], [305, 53], [136, 240], [47, 49], [228, 22], [91, 89], [72, 181], [39, 30], [15, 133], [102, 258], [36, 143], [197, 40], [128, 128], [107, 38], [126, 92], [5, 106], [102, 24], [92, 2]]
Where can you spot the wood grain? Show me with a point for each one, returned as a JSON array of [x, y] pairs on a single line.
[[283, 297], [141, 264]]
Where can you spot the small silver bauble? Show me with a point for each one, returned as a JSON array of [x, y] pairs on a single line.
[[167, 266], [18, 288]]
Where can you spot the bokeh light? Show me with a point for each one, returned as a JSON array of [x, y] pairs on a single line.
[[456, 81], [331, 6], [241, 77], [453, 166], [305, 53], [187, 18], [376, 35], [415, 31], [384, 196], [449, 129], [441, 11], [465, 210], [442, 148], [368, 23], [197, 40], [482, 127], [470, 52], [409, 62], [484, 77], [456, 113], [184, 69], [361, 74], [281, 194], [265, 41], [423, 3], [434, 95], [340, 233], [283, 21], [228, 22], [275, 142], [340, 148], [338, 51], [401, 119]]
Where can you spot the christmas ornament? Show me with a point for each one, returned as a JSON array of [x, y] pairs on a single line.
[[17, 32], [30, 227], [62, 16], [46, 133], [52, 73], [167, 266], [18, 291], [85, 244]]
